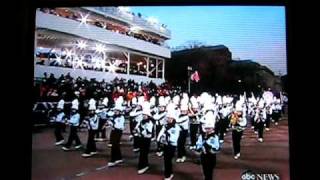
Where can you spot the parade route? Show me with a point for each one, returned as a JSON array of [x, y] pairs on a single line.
[[50, 162]]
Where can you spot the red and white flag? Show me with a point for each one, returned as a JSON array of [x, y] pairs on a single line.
[[195, 76]]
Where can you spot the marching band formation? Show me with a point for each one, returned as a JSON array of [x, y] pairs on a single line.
[[170, 122]]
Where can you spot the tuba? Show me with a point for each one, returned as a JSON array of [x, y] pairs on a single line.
[[234, 119]]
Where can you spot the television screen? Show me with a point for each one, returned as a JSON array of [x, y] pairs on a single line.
[[151, 92]]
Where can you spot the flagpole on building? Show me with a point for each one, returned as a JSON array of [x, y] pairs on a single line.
[[189, 71]]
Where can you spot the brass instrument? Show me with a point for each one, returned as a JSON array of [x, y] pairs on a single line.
[[234, 118]]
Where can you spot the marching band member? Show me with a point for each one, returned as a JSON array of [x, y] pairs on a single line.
[[224, 118], [117, 124], [102, 114], [137, 116], [260, 118], [208, 145], [59, 123], [159, 118], [268, 117], [238, 123], [183, 122], [132, 123], [168, 137], [194, 117], [92, 124], [144, 132], [153, 110], [74, 122], [276, 113]]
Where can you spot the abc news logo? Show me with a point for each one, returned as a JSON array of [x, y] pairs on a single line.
[[249, 175]]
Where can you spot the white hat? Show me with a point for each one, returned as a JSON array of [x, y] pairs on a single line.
[[194, 102], [105, 101], [146, 108], [213, 99], [118, 104], [152, 101], [261, 103], [208, 106], [184, 105], [209, 120], [167, 99], [75, 104], [60, 104], [176, 100], [162, 101], [140, 100], [92, 107], [185, 96], [219, 100], [239, 106], [171, 112], [92, 104], [134, 101]]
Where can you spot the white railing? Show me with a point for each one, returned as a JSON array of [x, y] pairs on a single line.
[[39, 70], [131, 19], [87, 31]]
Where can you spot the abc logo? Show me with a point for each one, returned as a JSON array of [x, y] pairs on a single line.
[[248, 175]]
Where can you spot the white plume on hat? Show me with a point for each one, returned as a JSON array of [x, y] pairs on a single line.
[[60, 104], [162, 101], [146, 108]]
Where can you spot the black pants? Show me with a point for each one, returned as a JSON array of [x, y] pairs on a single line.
[[73, 137], [208, 162], [268, 119], [91, 144], [168, 153], [144, 145], [101, 132], [158, 129], [181, 143], [260, 127], [132, 125], [194, 128], [236, 139], [252, 121], [57, 131], [276, 116], [115, 138], [223, 126]]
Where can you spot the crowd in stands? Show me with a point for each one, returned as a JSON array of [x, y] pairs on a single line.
[[112, 26]]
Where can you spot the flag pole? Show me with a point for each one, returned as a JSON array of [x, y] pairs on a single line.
[[189, 70]]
